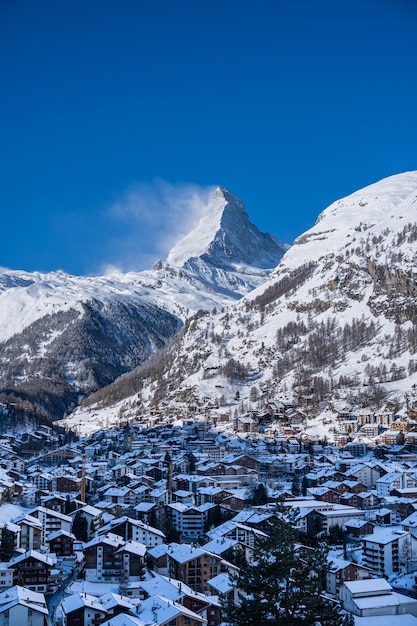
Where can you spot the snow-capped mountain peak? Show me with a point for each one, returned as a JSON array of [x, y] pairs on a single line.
[[81, 332], [334, 324], [225, 238]]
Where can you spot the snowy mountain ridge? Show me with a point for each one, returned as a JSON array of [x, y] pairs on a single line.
[[334, 324], [84, 331]]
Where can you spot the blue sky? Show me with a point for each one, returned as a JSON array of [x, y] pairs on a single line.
[[111, 111]]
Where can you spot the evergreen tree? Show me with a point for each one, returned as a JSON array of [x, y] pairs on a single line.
[[152, 519], [191, 462], [259, 494], [70, 506], [281, 584], [295, 486], [80, 526], [7, 545]]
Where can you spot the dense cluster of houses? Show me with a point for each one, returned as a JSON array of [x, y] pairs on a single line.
[[143, 526]]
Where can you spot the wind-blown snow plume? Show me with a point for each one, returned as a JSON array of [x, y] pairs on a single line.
[[157, 215]]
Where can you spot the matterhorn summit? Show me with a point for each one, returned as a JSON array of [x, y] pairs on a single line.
[[224, 237], [226, 251]]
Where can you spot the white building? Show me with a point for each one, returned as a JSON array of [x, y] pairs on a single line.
[[375, 596], [388, 550], [51, 521], [393, 480], [19, 605]]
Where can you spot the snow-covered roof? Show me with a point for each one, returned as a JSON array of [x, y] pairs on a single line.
[[21, 595]]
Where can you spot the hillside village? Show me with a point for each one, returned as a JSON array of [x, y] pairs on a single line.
[[143, 524], [141, 503]]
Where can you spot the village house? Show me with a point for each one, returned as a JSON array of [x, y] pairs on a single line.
[[51, 521], [207, 607], [338, 515], [61, 543], [33, 570], [109, 556], [358, 527], [340, 571], [20, 605], [94, 517], [373, 597], [193, 566], [129, 528], [163, 612], [393, 480], [30, 532], [83, 609], [388, 550]]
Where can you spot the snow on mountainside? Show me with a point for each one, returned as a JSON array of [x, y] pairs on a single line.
[[62, 336], [224, 237], [334, 325]]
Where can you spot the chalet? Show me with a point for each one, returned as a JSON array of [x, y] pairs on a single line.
[[54, 502], [213, 495], [340, 570], [32, 570], [363, 500], [108, 556], [145, 511], [246, 424], [120, 495], [20, 605], [275, 408], [358, 527], [243, 460], [158, 557], [61, 543], [193, 566], [325, 494], [83, 609], [164, 612], [237, 500], [138, 531], [207, 607], [68, 484], [94, 517]]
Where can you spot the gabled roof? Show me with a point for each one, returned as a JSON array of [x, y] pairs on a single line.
[[21, 595], [60, 533], [81, 600], [109, 539], [134, 547], [39, 556]]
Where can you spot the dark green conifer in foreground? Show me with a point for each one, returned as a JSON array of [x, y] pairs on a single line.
[[282, 585]]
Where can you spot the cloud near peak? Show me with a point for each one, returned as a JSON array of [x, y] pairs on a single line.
[[151, 218]]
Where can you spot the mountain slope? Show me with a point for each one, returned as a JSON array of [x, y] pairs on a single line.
[[62, 336], [335, 323]]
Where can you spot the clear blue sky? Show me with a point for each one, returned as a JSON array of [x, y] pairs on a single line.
[[291, 104]]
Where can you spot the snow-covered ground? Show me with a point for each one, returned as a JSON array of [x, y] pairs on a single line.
[[10, 511]]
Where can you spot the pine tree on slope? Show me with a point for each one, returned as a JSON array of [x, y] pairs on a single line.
[[282, 585]]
